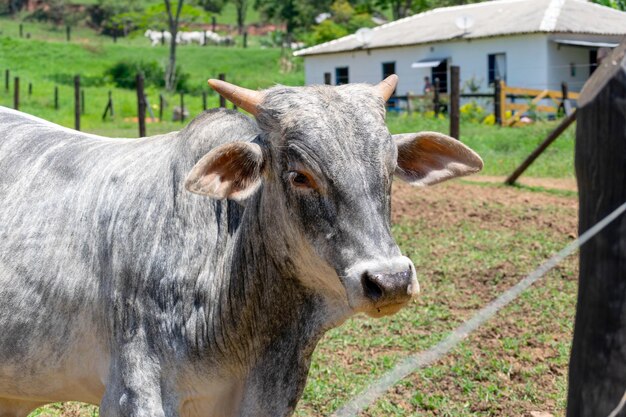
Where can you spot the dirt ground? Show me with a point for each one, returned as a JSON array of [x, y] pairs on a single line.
[[489, 377], [567, 184], [455, 202]]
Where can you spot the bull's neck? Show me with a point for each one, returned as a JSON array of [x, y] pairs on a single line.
[[260, 297]]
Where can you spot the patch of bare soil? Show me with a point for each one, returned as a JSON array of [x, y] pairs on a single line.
[[514, 366], [455, 202], [566, 184]]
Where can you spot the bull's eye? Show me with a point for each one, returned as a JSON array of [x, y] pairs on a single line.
[[301, 179]]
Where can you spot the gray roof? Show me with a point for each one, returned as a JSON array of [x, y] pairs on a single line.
[[491, 18]]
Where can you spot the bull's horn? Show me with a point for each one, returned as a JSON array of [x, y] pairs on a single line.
[[386, 87], [239, 96]]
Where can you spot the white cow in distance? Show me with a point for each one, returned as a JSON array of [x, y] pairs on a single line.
[[212, 37], [156, 36], [186, 38]]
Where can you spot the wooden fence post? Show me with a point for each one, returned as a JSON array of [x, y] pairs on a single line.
[[16, 93], [565, 104], [245, 39], [76, 102], [222, 99], [108, 108], [82, 101], [436, 103], [7, 77], [409, 103], [21, 30], [204, 100], [597, 370], [161, 103], [213, 23], [455, 101], [141, 106], [182, 107], [497, 96], [56, 97], [30, 89], [68, 33], [162, 37]]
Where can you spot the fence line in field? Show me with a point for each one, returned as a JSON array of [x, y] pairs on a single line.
[[425, 358], [79, 101]]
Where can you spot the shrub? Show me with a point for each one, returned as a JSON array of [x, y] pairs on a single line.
[[327, 31], [123, 74], [472, 112]]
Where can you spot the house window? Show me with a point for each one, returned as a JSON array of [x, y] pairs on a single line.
[[440, 72], [496, 67], [389, 68], [341, 75], [327, 78]]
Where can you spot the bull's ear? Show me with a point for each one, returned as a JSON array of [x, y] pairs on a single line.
[[428, 158], [233, 170]]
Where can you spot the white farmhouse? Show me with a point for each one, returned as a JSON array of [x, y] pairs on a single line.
[[528, 43]]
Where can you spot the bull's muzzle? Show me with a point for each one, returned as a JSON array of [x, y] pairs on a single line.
[[386, 286]]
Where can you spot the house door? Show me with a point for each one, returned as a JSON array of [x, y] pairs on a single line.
[[441, 72], [593, 60]]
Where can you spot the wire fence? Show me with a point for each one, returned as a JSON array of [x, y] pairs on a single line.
[[425, 358]]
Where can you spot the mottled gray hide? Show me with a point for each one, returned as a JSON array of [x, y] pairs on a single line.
[[193, 273]]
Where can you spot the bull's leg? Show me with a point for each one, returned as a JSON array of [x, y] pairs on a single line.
[[133, 388], [17, 408]]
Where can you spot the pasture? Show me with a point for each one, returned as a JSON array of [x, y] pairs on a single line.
[[469, 239]]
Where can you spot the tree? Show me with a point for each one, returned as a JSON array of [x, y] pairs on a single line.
[[400, 8], [616, 4], [173, 19], [403, 8], [294, 13], [344, 20], [242, 8], [103, 13], [16, 5], [213, 6]]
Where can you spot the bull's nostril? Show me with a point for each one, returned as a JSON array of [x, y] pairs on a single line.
[[371, 289]]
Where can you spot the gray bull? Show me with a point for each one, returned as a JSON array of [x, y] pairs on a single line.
[[193, 273]]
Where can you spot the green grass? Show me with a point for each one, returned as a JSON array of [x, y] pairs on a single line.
[[228, 15], [40, 63], [503, 148]]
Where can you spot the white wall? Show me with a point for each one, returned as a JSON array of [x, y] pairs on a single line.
[[527, 59], [562, 56]]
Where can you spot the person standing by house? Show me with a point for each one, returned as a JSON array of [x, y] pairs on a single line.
[[428, 87]]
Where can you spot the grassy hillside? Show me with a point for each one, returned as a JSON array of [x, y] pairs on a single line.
[[46, 64]]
